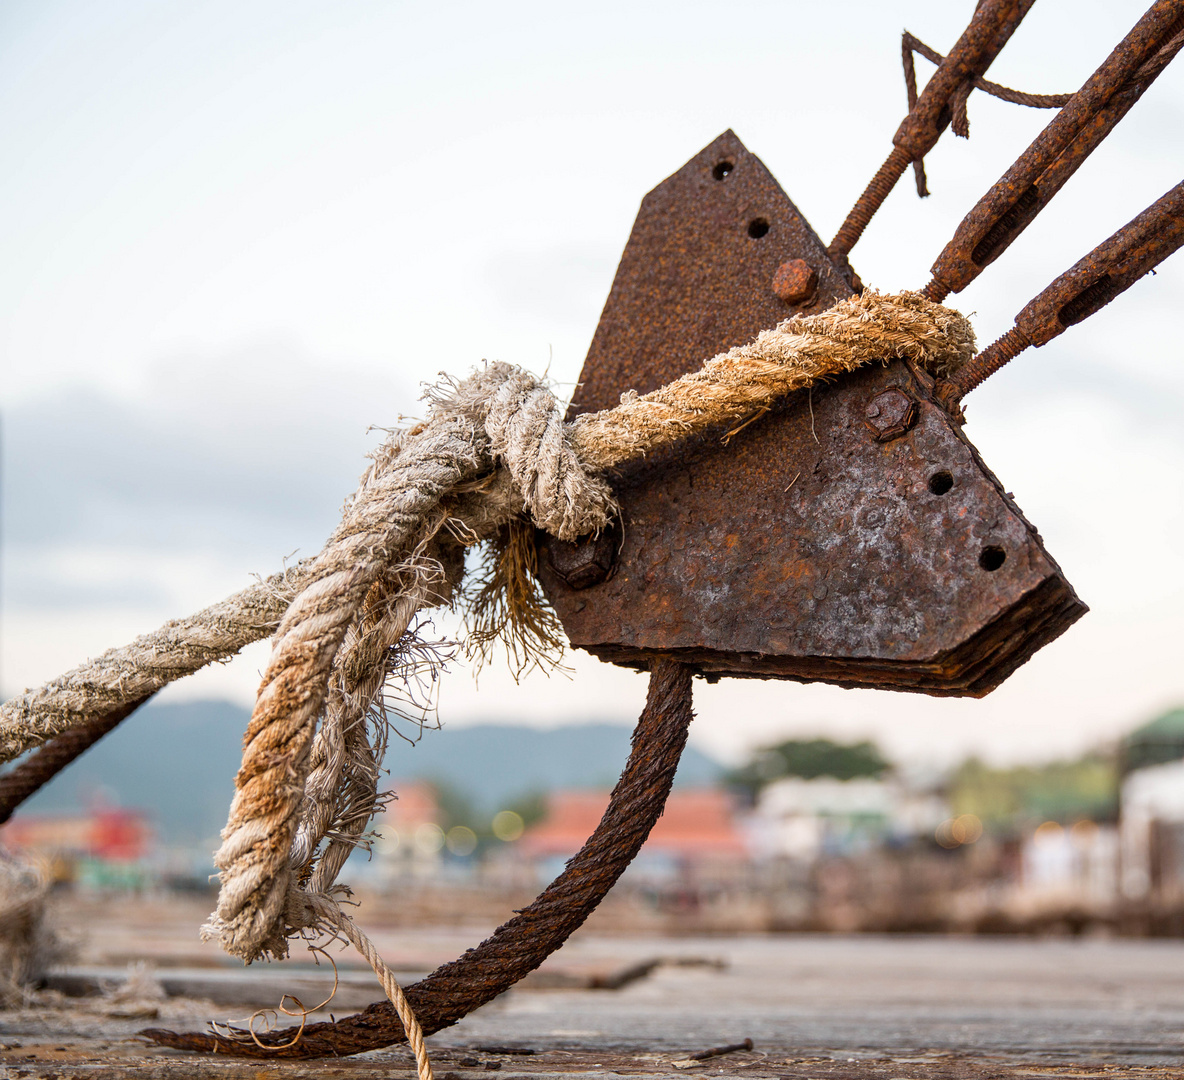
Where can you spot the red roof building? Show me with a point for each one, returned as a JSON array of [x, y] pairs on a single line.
[[111, 833], [415, 804], [697, 824]]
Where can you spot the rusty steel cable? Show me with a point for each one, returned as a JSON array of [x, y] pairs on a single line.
[[24, 779], [911, 44], [1089, 285], [525, 941], [993, 23], [1060, 149], [960, 121]]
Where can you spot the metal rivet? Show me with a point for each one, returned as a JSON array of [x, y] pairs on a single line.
[[584, 562], [890, 414], [795, 281]]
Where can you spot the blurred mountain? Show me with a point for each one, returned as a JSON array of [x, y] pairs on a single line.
[[177, 761]]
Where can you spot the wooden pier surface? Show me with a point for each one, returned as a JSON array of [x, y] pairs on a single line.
[[874, 1008]]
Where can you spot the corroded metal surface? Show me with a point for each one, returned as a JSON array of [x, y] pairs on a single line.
[[1060, 149], [890, 414], [586, 562], [1090, 284], [795, 281], [697, 274], [806, 547]]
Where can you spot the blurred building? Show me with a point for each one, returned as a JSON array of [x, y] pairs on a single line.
[[410, 838], [1072, 865], [104, 847], [1152, 820], [806, 819], [1058, 847], [1153, 832], [698, 833]]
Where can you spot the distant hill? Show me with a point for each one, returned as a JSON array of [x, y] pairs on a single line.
[[178, 761]]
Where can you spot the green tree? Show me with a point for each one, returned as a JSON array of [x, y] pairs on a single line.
[[809, 758], [1063, 791]]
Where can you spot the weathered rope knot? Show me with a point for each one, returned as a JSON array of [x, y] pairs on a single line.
[[524, 422]]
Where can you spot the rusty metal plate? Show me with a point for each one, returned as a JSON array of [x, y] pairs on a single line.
[[853, 536], [697, 275]]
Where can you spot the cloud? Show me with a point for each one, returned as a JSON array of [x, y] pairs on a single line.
[[560, 284], [210, 462]]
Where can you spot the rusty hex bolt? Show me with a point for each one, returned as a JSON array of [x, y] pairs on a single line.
[[585, 562], [890, 414], [795, 281]]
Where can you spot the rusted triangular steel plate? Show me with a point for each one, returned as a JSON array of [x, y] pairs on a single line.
[[854, 536]]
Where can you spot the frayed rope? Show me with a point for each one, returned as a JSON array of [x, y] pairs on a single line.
[[493, 455]]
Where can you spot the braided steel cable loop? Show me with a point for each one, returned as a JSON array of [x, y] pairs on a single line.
[[520, 945]]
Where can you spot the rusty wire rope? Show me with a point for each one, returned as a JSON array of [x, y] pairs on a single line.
[[525, 941], [960, 121], [41, 766]]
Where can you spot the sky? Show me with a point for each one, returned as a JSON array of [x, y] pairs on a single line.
[[239, 236]]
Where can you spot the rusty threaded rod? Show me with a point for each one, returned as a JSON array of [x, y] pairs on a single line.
[[1017, 197], [868, 203], [993, 23], [990, 360], [936, 290]]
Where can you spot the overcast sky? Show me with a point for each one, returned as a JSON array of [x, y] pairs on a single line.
[[238, 234]]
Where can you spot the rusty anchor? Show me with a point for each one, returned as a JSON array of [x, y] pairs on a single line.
[[853, 535]]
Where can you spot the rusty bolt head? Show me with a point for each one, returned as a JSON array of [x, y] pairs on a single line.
[[584, 562], [890, 414], [795, 281]]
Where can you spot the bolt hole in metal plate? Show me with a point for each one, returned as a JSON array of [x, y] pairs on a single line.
[[940, 483], [852, 536]]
